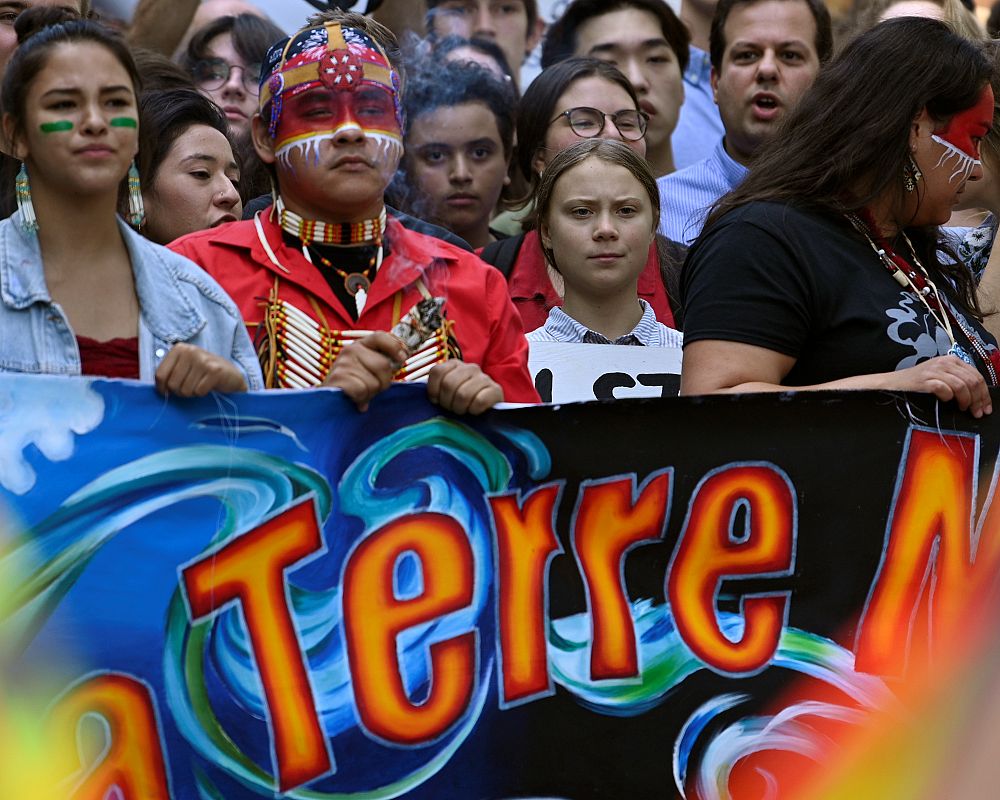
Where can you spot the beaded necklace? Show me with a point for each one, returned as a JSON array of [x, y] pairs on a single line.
[[920, 283], [310, 231]]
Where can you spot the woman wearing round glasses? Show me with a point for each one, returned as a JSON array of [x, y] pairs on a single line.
[[224, 60], [580, 98]]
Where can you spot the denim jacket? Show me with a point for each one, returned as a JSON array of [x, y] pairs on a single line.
[[178, 302]]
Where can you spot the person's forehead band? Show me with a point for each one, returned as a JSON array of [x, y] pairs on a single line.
[[339, 58]]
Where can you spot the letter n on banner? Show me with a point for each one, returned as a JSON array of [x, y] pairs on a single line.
[[927, 550]]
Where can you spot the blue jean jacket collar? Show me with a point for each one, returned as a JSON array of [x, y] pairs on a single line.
[[166, 310]]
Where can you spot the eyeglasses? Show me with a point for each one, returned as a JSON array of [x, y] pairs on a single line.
[[214, 73], [587, 122]]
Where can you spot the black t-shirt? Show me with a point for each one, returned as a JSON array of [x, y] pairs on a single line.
[[808, 286]]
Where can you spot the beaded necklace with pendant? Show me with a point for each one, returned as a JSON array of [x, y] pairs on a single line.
[[309, 232], [920, 283]]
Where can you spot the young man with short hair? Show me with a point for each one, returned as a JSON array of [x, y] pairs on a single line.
[[324, 275]]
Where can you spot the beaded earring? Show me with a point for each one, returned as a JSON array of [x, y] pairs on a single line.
[[22, 188], [911, 175], [136, 210]]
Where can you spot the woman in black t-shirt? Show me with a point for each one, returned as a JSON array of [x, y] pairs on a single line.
[[822, 270]]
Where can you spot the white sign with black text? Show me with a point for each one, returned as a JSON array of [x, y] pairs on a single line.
[[565, 373]]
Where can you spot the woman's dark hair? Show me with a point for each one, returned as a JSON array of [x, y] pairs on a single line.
[[443, 47], [561, 37], [158, 72], [164, 116], [251, 35], [847, 141], [537, 106], [39, 30], [607, 150]]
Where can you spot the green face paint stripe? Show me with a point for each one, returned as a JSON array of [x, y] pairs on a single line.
[[124, 122], [56, 127]]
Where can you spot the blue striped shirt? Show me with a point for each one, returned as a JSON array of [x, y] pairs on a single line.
[[699, 125], [687, 195], [650, 332]]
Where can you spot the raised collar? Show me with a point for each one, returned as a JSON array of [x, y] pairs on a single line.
[[567, 329], [732, 170]]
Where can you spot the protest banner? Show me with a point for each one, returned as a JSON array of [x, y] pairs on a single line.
[[275, 595]]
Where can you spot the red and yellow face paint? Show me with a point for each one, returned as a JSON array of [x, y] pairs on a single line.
[[960, 138], [331, 81]]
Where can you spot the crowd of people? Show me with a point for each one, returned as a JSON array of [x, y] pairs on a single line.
[[208, 203]]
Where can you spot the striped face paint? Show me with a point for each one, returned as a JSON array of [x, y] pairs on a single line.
[[327, 82], [960, 138], [124, 122], [60, 126], [323, 113]]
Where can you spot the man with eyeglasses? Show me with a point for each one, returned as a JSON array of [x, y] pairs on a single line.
[[335, 291], [765, 55], [513, 24]]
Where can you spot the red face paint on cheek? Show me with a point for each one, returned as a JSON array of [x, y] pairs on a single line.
[[967, 128], [322, 113]]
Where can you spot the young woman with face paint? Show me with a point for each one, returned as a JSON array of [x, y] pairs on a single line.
[[82, 292], [823, 270]]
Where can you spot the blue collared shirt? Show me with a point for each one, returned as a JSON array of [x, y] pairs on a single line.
[[178, 302], [687, 195], [561, 327], [700, 125]]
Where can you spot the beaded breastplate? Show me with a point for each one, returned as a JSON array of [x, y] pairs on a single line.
[[297, 352]]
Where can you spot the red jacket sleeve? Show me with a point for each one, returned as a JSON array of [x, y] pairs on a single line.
[[506, 358]]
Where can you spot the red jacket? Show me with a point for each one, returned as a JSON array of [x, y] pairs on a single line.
[[486, 325], [533, 295]]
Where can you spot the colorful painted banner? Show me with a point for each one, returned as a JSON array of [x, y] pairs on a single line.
[[275, 595]]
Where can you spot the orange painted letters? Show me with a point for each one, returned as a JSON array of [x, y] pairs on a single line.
[[709, 551], [607, 524], [374, 618], [133, 757], [525, 544], [250, 570], [932, 512]]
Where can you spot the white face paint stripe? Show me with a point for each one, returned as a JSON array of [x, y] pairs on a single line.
[[389, 147], [964, 162]]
